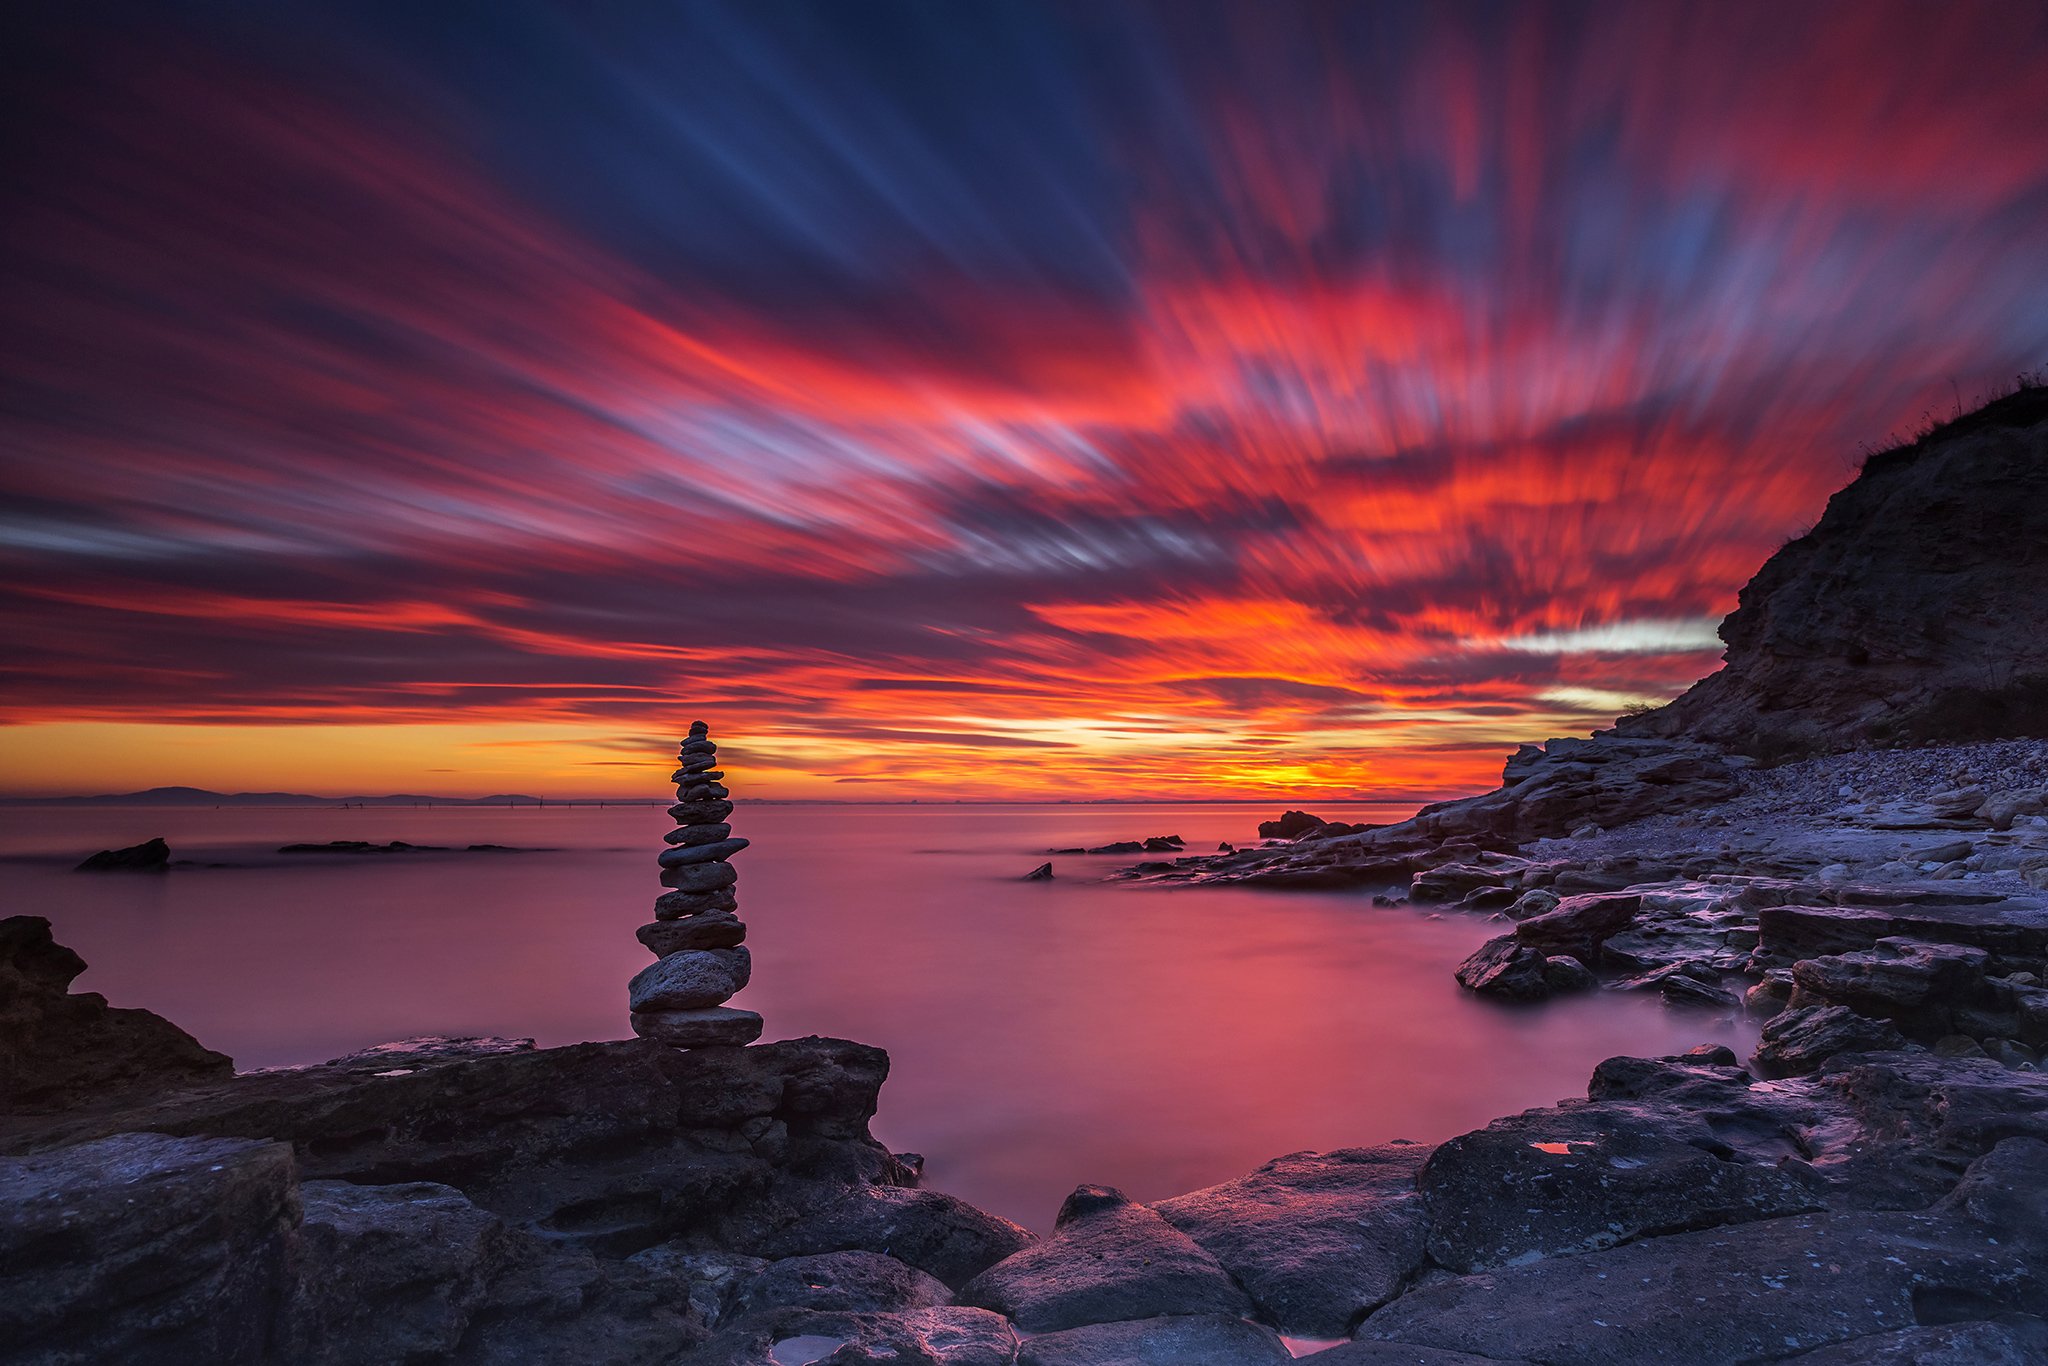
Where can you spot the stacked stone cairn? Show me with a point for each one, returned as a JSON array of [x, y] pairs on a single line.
[[696, 938]]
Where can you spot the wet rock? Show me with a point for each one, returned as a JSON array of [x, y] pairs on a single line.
[[1108, 1259], [388, 1273], [1580, 924], [945, 1336], [1176, 1340], [58, 1049], [2015, 934], [1568, 1180], [1563, 974], [1401, 1354], [1042, 873], [1291, 825], [851, 1282], [934, 1232], [1716, 1297], [702, 1027], [1316, 1239], [2015, 1340], [690, 980], [1451, 881], [713, 930], [1797, 1042], [144, 1248], [1916, 985], [616, 1145], [713, 1279], [1507, 968], [150, 856]]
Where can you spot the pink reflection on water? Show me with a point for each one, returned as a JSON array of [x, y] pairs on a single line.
[[1042, 1034]]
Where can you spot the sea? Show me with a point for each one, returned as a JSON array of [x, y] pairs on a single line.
[[1041, 1034]]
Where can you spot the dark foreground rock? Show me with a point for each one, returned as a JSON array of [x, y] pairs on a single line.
[[1317, 1239], [1759, 1291], [142, 1248], [58, 1048], [1109, 1259], [1177, 1340]]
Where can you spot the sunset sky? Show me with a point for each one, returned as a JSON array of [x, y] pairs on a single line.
[[1264, 399]]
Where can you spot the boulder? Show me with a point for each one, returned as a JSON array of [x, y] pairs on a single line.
[[934, 1232], [1918, 986], [142, 1248], [1176, 1340], [1108, 1259], [712, 1279], [1507, 968], [945, 1336], [850, 1282], [388, 1273], [690, 980], [1042, 873], [1797, 1042], [1720, 1296], [1291, 825], [150, 856], [1572, 1179], [59, 1049], [1579, 925], [1316, 1239]]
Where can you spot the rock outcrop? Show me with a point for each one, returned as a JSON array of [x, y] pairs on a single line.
[[59, 1048], [1916, 608]]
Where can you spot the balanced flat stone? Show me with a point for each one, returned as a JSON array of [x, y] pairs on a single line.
[[696, 745], [706, 1028], [676, 905], [700, 877], [690, 980], [699, 813], [717, 852], [720, 930], [699, 834], [702, 792]]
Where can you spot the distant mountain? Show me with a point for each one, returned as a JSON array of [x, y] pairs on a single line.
[[199, 796]]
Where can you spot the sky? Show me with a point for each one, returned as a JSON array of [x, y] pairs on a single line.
[[1050, 401]]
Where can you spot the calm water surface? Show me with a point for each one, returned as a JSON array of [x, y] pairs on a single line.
[[1043, 1034]]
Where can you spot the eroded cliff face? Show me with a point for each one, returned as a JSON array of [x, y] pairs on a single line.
[[1916, 609]]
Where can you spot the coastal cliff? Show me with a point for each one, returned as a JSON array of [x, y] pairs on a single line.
[[1915, 610]]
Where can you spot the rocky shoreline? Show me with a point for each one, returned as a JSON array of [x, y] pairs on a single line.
[[1871, 1187]]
